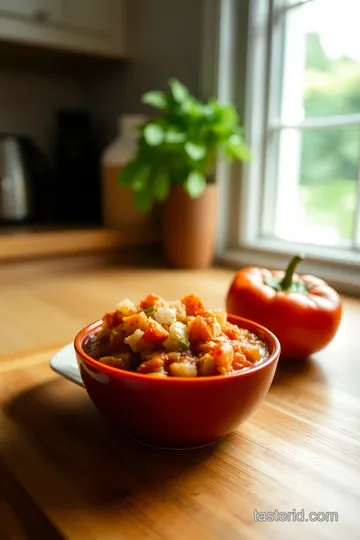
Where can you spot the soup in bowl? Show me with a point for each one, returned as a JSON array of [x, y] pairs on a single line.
[[176, 374]]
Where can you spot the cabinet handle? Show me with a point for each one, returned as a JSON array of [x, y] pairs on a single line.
[[41, 15]]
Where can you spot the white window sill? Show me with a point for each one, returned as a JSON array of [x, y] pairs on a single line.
[[339, 268]]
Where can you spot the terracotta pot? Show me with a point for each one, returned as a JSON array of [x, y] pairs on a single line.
[[189, 227], [119, 211]]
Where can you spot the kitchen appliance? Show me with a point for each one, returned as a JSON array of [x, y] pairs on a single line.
[[76, 161], [25, 181]]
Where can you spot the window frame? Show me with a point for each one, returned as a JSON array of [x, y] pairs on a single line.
[[241, 241]]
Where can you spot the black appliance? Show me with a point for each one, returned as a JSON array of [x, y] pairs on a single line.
[[77, 172], [26, 181]]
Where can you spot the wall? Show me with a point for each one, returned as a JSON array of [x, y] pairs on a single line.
[[165, 41], [29, 101]]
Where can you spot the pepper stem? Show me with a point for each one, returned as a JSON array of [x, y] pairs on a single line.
[[286, 282]]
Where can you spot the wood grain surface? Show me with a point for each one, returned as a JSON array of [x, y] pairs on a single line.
[[30, 243], [65, 473]]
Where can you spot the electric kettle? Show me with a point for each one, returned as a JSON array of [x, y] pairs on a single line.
[[24, 180]]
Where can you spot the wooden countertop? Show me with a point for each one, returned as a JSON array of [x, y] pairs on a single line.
[[36, 242], [64, 473]]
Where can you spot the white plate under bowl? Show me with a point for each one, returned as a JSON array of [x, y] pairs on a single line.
[[64, 363]]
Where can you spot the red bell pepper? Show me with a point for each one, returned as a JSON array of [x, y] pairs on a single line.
[[303, 311]]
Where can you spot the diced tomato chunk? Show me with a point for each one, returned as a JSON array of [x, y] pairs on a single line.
[[240, 361], [203, 327], [232, 331], [223, 354], [152, 300], [111, 319], [193, 304], [199, 330], [155, 332]]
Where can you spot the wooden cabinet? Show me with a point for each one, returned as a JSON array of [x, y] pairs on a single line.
[[88, 15], [34, 10], [91, 26]]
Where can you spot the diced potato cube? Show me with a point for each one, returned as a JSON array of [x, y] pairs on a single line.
[[126, 308], [134, 339], [178, 339], [153, 365], [165, 315], [252, 354], [120, 361], [174, 356], [178, 330], [216, 329], [182, 369], [180, 310], [223, 354], [221, 316], [135, 322], [206, 366]]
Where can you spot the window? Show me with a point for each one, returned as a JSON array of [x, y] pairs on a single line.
[[314, 128], [301, 190]]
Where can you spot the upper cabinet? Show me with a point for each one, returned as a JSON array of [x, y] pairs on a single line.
[[37, 10], [90, 26], [93, 15]]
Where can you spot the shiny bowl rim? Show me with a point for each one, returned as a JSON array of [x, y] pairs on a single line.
[[110, 370]]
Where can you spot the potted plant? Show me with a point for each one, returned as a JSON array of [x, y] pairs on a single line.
[[175, 164]]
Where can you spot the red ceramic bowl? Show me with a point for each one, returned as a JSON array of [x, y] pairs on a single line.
[[177, 412]]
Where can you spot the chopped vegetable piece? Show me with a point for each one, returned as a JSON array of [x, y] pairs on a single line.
[[223, 354], [166, 315], [155, 332], [193, 304], [178, 337], [134, 339], [120, 361], [183, 369], [126, 308], [134, 322], [203, 328], [111, 319], [156, 363], [152, 300], [207, 366]]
